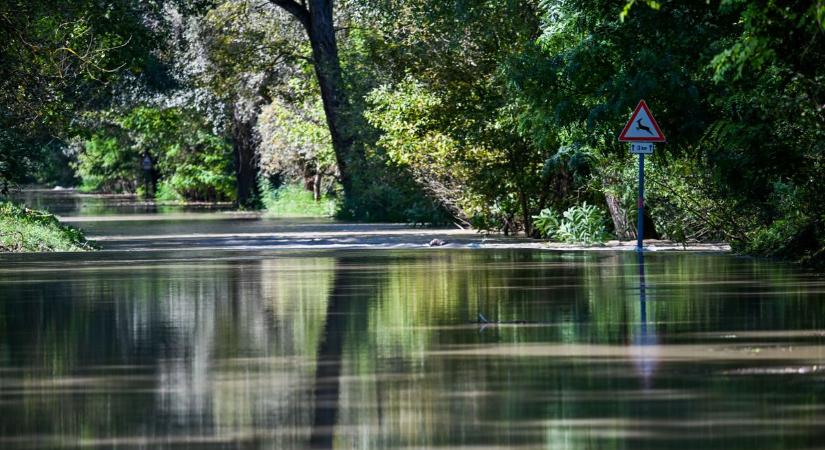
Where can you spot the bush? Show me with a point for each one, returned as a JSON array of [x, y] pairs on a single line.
[[106, 165], [29, 230], [794, 234], [547, 223], [580, 224], [295, 201], [166, 193], [190, 161]]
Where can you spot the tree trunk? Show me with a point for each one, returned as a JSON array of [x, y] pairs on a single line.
[[328, 70], [525, 211], [316, 187], [317, 19], [246, 161], [624, 231]]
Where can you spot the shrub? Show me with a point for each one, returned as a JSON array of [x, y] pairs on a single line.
[[107, 165], [29, 230], [583, 224], [580, 224], [547, 222], [295, 201], [190, 161]]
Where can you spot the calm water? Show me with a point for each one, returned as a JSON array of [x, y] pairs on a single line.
[[182, 346], [123, 222], [69, 202], [376, 350]]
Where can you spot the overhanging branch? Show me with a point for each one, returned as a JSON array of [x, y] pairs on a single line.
[[297, 10]]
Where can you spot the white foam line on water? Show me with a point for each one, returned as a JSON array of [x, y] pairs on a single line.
[[154, 217], [402, 245], [294, 234], [670, 352]]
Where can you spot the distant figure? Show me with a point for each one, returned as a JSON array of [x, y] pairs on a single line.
[[437, 243], [639, 126], [148, 167]]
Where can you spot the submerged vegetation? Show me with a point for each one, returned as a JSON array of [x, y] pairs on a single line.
[[27, 230], [480, 113]]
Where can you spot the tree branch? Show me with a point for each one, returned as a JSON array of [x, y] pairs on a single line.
[[297, 10]]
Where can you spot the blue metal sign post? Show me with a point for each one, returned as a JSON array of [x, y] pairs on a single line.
[[640, 206], [641, 149]]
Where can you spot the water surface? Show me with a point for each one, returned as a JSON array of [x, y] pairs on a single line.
[[203, 349]]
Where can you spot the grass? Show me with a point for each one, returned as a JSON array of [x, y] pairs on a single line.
[[295, 201], [30, 230]]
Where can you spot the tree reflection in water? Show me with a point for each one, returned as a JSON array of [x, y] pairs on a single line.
[[346, 298], [375, 350]]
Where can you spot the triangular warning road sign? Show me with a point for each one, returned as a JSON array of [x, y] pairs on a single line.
[[642, 127]]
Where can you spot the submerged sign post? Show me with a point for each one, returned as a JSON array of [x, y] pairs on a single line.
[[641, 131]]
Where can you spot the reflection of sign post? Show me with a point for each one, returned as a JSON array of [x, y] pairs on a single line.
[[641, 131]]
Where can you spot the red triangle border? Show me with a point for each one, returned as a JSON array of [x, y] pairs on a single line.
[[659, 138]]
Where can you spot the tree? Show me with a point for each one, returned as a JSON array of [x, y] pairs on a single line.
[[191, 162], [59, 57], [449, 116], [244, 47], [316, 17]]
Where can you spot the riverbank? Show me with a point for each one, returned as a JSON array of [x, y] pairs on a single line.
[[29, 230]]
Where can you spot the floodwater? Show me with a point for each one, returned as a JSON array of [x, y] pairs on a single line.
[[204, 348]]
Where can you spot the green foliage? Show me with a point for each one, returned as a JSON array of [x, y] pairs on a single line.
[[383, 190], [388, 193], [244, 40], [765, 147], [105, 165], [454, 124], [295, 201], [547, 222], [626, 10], [408, 115], [58, 58], [190, 162], [28, 230], [296, 143], [795, 233], [735, 88], [583, 224], [580, 224], [683, 205], [166, 193], [14, 159], [198, 167]]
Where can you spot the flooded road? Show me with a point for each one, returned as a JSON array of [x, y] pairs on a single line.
[[199, 348]]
